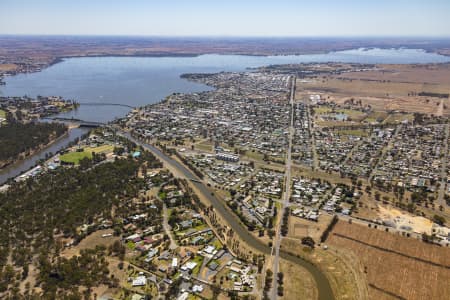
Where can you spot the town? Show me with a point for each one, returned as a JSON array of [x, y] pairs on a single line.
[[352, 162], [354, 170], [26, 109]]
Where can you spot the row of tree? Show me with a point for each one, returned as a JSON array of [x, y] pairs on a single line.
[[17, 138]]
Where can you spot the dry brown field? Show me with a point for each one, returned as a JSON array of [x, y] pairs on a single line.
[[297, 282], [7, 67], [299, 228], [396, 267], [389, 87]]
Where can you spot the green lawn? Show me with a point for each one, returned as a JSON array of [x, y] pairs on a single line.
[[322, 110], [75, 157], [217, 244], [352, 113], [2, 113], [131, 245], [376, 116], [200, 227], [199, 260]]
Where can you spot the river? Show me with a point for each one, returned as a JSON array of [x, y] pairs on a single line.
[[322, 283], [137, 81], [23, 165]]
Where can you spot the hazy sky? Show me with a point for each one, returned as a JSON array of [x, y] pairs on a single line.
[[227, 17]]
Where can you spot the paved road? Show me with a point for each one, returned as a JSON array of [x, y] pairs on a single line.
[[167, 228], [322, 283], [442, 187], [384, 151], [287, 193]]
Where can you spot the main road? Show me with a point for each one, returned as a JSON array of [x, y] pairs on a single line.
[[441, 200], [286, 194], [322, 283]]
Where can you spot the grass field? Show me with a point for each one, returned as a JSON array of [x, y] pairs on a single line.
[[2, 113], [101, 149], [346, 279], [204, 146], [376, 116], [322, 110], [297, 283], [354, 114], [299, 228], [396, 266], [75, 157], [199, 260]]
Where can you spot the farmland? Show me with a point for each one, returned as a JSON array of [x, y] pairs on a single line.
[[396, 267], [386, 88]]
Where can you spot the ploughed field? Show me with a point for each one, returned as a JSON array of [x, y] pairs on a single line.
[[396, 267]]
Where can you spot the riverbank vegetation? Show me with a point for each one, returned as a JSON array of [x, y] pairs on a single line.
[[18, 140]]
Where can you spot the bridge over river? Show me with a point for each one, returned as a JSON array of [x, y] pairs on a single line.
[[78, 122], [105, 104]]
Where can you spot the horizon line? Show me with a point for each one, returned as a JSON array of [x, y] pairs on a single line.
[[235, 36]]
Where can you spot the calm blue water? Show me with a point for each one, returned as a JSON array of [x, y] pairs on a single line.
[[137, 81]]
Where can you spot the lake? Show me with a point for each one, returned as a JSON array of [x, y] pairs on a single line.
[[138, 81]]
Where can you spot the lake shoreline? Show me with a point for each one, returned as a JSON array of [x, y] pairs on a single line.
[[59, 59]]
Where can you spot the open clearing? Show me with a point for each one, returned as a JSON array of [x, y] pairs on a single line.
[[90, 242], [8, 67], [299, 227], [388, 87], [298, 283], [343, 270], [75, 157], [396, 267]]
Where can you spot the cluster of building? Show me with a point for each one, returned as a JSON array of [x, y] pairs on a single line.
[[341, 201], [333, 148], [224, 173], [246, 110], [353, 153], [32, 108], [415, 158], [302, 141], [255, 198], [308, 195], [367, 153], [198, 256], [311, 197]]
